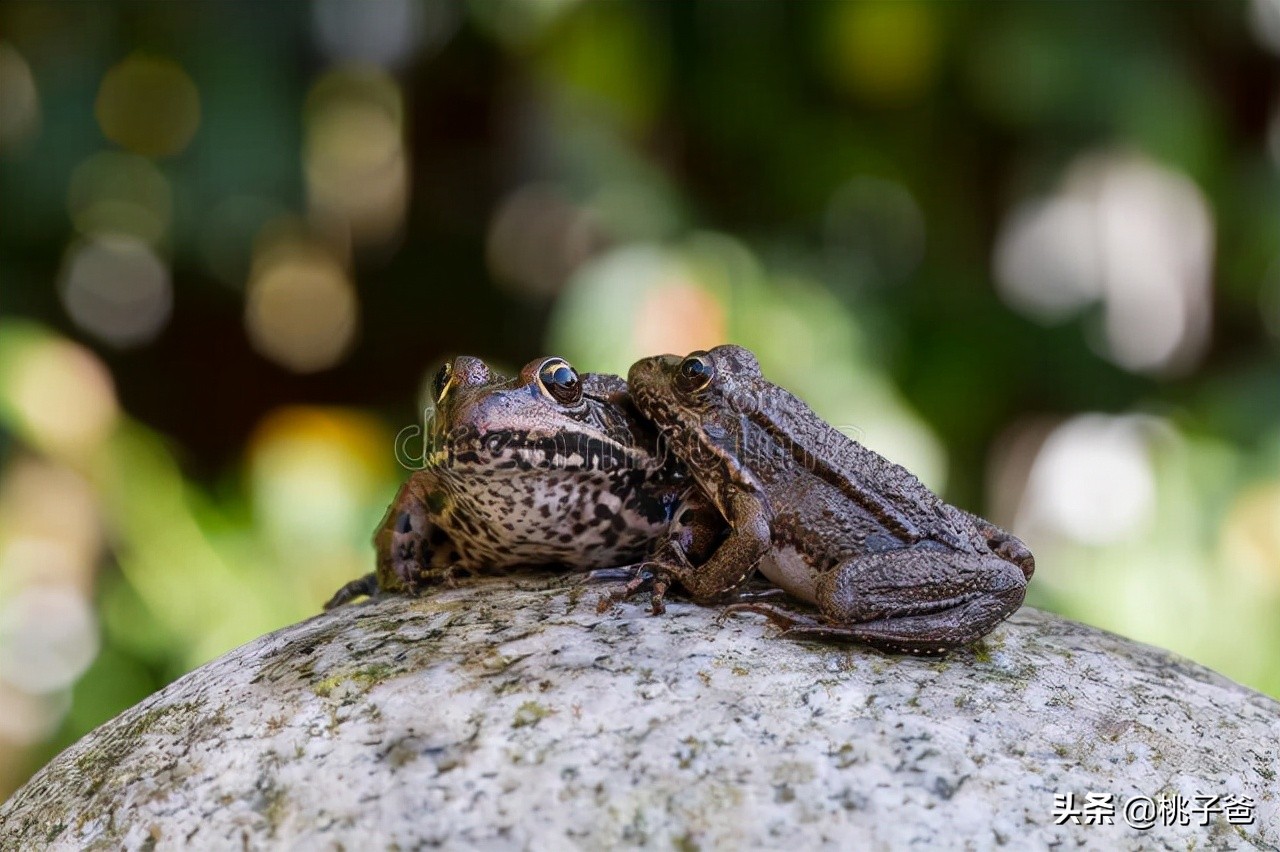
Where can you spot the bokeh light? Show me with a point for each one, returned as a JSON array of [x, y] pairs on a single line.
[[537, 239], [518, 22], [301, 309], [149, 105], [882, 53], [25, 720], [19, 100], [116, 288], [1092, 481], [118, 193], [633, 300], [50, 530], [678, 315], [48, 637], [389, 32], [50, 544], [1251, 535], [644, 299], [59, 395], [1264, 20], [357, 167], [874, 231], [607, 61], [1127, 232], [314, 473]]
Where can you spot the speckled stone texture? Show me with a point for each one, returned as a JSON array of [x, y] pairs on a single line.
[[510, 715]]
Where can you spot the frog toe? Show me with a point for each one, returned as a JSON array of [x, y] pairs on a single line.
[[611, 575], [366, 586], [641, 578], [784, 619]]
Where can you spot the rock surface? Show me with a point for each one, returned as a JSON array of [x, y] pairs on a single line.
[[510, 714]]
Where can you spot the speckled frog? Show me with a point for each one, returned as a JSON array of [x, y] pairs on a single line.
[[547, 468], [885, 560]]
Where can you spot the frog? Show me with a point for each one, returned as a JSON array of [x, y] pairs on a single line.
[[829, 522], [547, 468]]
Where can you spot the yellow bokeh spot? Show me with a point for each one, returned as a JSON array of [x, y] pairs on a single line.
[[882, 52], [57, 395], [301, 310], [315, 474], [149, 105], [50, 530], [356, 164], [1251, 534], [607, 59]]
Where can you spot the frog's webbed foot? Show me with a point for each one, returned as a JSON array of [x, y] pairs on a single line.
[[400, 542], [798, 626], [449, 576], [667, 565], [610, 575], [366, 586], [795, 625], [641, 578]]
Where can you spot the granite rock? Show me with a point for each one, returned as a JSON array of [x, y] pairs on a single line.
[[510, 714]]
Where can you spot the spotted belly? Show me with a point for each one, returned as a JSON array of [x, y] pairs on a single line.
[[498, 522]]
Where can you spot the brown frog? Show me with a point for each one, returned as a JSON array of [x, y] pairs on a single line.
[[885, 560], [547, 468]]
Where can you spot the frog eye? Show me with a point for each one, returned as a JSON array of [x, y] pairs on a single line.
[[694, 372], [560, 381], [442, 382]]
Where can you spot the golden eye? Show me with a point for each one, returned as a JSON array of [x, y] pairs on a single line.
[[560, 381], [694, 373], [442, 382]]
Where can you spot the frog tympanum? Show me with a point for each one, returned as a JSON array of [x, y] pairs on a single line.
[[885, 560], [547, 468]]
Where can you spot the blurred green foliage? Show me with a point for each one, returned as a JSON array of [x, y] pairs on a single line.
[[1028, 250]]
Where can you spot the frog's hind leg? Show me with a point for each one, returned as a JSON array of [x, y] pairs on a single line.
[[793, 624], [908, 601], [891, 635], [920, 601]]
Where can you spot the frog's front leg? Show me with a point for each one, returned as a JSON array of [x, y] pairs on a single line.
[[732, 562], [915, 600], [409, 549], [366, 586], [682, 557]]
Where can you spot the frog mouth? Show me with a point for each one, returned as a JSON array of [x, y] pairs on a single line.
[[467, 448]]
